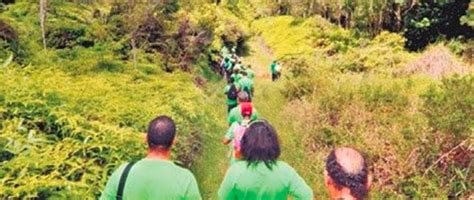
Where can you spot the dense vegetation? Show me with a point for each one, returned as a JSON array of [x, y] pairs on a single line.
[[74, 105], [348, 90]]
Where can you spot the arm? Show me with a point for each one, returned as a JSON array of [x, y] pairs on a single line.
[[298, 187], [226, 190], [192, 192], [229, 135], [110, 191]]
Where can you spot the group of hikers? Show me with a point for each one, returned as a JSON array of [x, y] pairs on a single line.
[[255, 170]]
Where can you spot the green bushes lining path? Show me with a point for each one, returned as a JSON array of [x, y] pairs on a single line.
[[62, 136]]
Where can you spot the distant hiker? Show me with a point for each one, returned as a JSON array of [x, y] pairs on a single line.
[[236, 131], [347, 174], [228, 66], [231, 90], [250, 72], [155, 176], [236, 75], [275, 70], [239, 65], [225, 52], [246, 84], [260, 175], [235, 115]]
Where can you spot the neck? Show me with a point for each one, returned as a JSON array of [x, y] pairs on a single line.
[[159, 154], [344, 194]]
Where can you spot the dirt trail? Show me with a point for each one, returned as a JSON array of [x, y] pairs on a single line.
[[211, 166]]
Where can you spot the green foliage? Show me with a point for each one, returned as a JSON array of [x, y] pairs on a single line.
[[450, 108], [63, 139], [344, 91]]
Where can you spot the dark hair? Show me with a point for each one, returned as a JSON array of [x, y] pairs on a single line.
[[260, 144], [231, 80], [357, 183], [244, 73], [161, 132]]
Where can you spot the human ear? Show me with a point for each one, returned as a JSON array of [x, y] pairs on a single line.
[[369, 181], [327, 179]]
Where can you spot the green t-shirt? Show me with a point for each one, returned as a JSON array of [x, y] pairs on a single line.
[[259, 182], [250, 73], [246, 84], [236, 116], [273, 68], [236, 77], [230, 101], [153, 179]]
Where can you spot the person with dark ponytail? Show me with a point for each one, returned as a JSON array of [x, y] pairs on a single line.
[[347, 175], [259, 174]]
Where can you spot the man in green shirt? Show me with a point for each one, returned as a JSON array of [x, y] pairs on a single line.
[[274, 70], [260, 175], [155, 177], [236, 130], [231, 90], [250, 72], [236, 75], [246, 84], [235, 115]]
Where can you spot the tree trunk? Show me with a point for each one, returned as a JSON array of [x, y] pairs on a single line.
[[134, 50], [43, 7]]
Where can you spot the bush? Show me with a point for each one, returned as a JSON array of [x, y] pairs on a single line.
[[64, 135]]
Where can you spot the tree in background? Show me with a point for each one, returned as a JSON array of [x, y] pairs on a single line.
[[42, 15]]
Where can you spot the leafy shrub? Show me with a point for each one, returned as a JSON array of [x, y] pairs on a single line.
[[450, 107], [66, 37], [64, 135]]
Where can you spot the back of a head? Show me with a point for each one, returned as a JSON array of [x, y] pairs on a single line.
[[161, 133], [260, 144], [243, 97], [348, 168], [244, 73]]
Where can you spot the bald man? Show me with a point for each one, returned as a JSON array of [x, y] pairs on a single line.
[[347, 176]]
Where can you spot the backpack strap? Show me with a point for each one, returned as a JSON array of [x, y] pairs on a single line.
[[123, 179]]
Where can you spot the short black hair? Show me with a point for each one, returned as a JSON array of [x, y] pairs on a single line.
[[357, 183], [260, 144], [161, 133]]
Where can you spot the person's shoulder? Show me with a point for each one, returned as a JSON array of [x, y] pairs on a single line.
[[183, 171], [238, 166], [234, 110], [284, 166]]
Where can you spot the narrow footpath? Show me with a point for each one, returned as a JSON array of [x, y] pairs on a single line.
[[211, 166]]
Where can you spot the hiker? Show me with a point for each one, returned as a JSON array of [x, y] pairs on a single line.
[[231, 90], [250, 72], [228, 66], [236, 131], [260, 175], [347, 175], [155, 176], [275, 70], [239, 65], [235, 115], [246, 84], [236, 75]]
